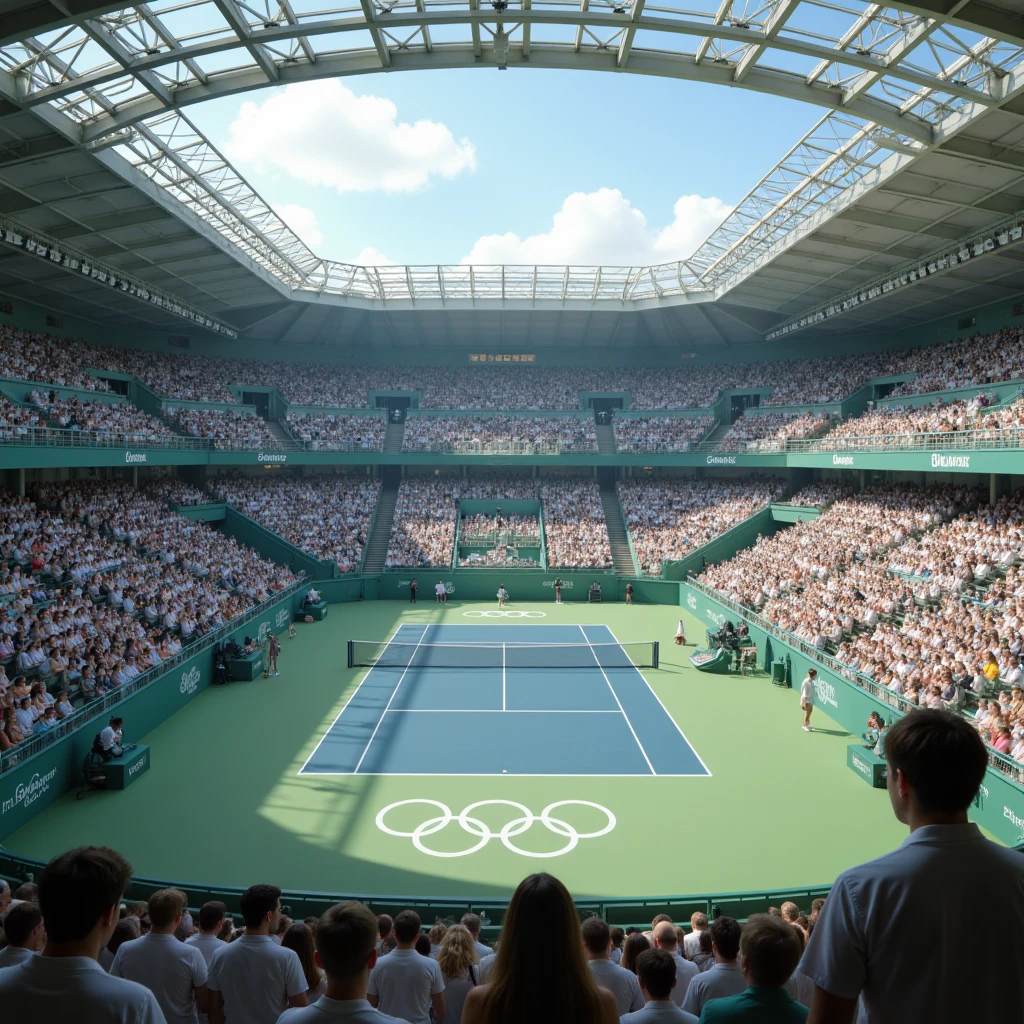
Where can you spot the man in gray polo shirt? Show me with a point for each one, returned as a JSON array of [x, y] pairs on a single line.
[[597, 945], [404, 984], [726, 977], [891, 933]]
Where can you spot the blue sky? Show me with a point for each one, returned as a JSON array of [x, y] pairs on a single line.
[[503, 153]]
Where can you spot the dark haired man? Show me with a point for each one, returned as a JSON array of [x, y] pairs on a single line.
[[174, 972], [385, 930], [211, 920], [891, 931], [769, 953], [726, 977], [253, 980], [403, 983], [346, 952], [80, 897], [656, 970], [23, 927], [597, 946], [110, 738]]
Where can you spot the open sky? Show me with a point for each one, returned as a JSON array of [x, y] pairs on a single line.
[[504, 167]]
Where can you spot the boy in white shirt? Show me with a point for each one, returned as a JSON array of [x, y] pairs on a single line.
[[403, 983]]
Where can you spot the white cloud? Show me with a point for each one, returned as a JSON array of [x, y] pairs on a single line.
[[303, 222], [371, 257], [604, 227], [324, 134]]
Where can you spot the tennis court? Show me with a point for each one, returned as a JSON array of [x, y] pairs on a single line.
[[490, 699]]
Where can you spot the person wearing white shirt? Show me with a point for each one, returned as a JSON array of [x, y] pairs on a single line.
[[403, 983], [439, 593], [656, 970], [346, 940], [80, 898], [665, 938], [25, 933], [726, 977], [890, 935], [253, 980], [807, 697], [174, 972], [597, 944], [691, 942], [110, 738], [472, 923], [211, 920]]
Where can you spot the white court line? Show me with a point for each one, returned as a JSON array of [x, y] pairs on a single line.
[[355, 771], [502, 711], [503, 705], [617, 701], [330, 728], [505, 775], [663, 708]]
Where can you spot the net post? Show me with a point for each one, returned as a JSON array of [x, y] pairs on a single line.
[[351, 654], [654, 654]]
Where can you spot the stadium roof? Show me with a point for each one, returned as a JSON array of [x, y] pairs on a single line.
[[920, 151]]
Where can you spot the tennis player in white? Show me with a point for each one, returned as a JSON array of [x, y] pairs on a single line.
[[502, 596], [807, 697]]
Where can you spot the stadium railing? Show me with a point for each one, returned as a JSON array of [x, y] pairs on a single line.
[[499, 447], [96, 708], [56, 437], [881, 693]]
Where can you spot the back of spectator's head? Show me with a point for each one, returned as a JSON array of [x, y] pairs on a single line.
[[165, 905], [618, 937], [725, 934], [681, 935], [658, 919], [211, 915], [82, 889], [705, 941], [20, 922], [816, 906], [437, 934], [407, 926], [770, 950], [345, 940], [472, 922], [656, 969], [597, 936], [635, 945], [385, 924], [665, 936], [940, 757], [790, 911], [27, 891], [422, 944], [698, 921], [5, 894], [124, 931], [257, 902]]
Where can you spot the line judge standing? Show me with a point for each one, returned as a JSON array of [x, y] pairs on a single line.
[[412, 591], [807, 697]]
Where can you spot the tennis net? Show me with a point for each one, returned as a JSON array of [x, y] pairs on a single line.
[[385, 654]]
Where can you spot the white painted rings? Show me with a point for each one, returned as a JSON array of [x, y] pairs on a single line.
[[504, 613]]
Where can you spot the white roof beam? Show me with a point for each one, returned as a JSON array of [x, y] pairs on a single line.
[[233, 15]]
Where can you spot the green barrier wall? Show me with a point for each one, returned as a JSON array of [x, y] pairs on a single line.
[[250, 533], [723, 547], [33, 785], [999, 807], [482, 584]]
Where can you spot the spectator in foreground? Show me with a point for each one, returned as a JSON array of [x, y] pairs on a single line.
[[769, 953], [597, 945], [405, 984], [346, 940], [25, 933], [657, 972], [634, 945], [299, 937], [665, 938], [174, 972], [705, 959], [211, 920], [253, 980], [540, 975], [124, 931], [385, 930], [80, 898], [459, 968], [895, 925], [726, 977]]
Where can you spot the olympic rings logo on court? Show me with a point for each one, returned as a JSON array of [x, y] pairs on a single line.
[[515, 827], [504, 613]]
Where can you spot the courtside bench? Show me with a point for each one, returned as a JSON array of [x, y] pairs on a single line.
[[867, 764], [318, 611], [247, 667]]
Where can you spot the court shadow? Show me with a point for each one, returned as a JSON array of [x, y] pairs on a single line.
[[831, 732]]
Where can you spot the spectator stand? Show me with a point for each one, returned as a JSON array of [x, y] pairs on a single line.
[[671, 430], [562, 432], [335, 430], [481, 543]]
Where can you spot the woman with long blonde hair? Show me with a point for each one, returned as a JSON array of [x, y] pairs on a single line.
[[541, 975], [458, 962]]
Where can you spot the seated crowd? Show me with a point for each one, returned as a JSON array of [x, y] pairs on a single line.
[[660, 433], [338, 432], [670, 517], [767, 429], [112, 418], [521, 434], [502, 535], [175, 491], [891, 423], [101, 583], [327, 515], [225, 427], [977, 361], [574, 526]]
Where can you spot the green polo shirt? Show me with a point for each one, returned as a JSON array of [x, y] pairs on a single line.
[[763, 1005]]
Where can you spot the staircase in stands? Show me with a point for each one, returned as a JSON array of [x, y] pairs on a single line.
[[605, 439], [377, 544], [279, 431], [714, 438], [618, 540], [393, 437]]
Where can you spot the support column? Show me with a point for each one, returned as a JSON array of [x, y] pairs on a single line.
[[135, 477], [21, 483]]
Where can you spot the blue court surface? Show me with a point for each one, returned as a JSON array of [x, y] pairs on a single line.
[[422, 710]]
